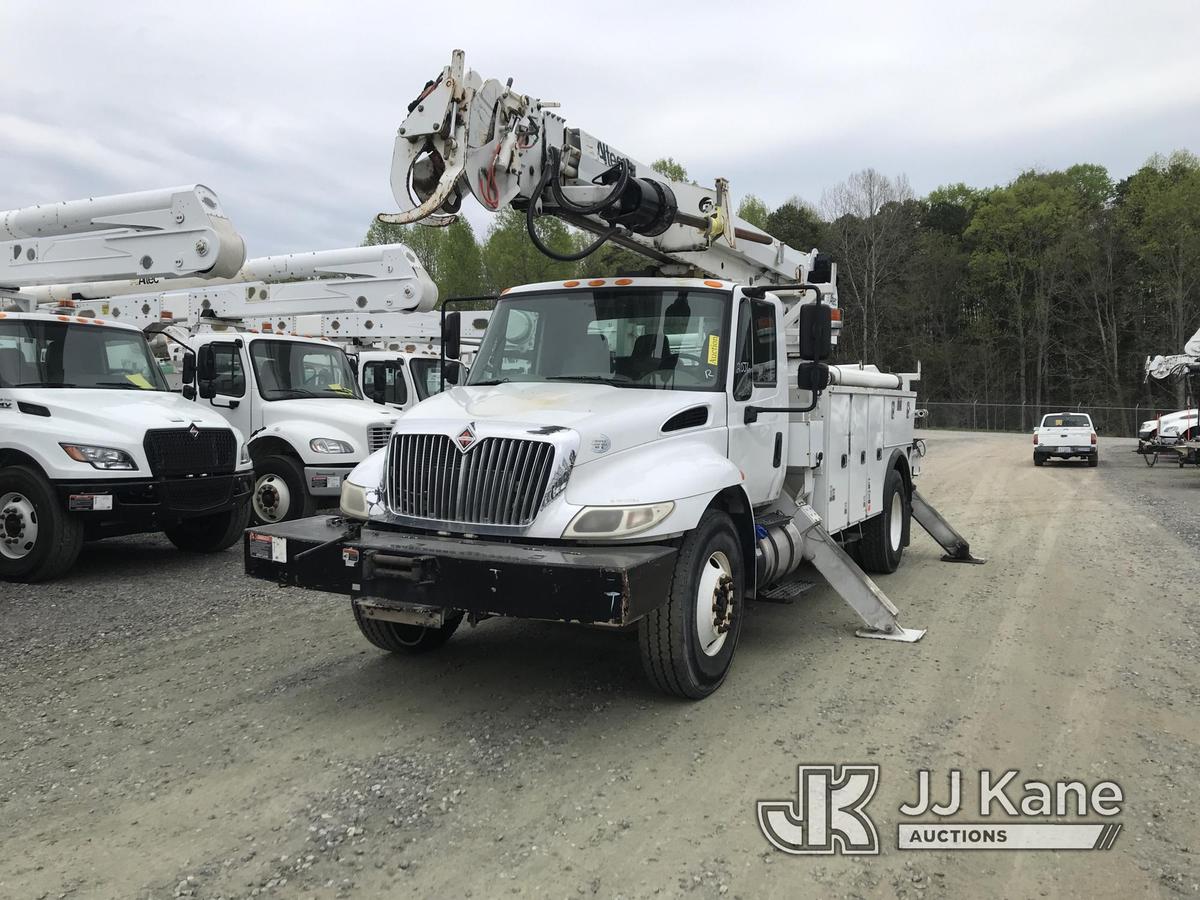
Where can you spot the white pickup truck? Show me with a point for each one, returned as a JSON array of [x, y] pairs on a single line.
[[1065, 435]]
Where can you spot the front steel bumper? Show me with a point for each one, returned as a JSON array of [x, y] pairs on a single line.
[[611, 585]]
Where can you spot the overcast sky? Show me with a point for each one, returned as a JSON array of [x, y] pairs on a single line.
[[288, 109]]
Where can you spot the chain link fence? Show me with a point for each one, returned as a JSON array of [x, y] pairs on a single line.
[[1110, 421]]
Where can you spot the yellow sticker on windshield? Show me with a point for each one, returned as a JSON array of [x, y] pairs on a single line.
[[138, 379], [714, 349], [339, 389]]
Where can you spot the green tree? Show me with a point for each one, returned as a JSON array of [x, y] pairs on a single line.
[[796, 224], [754, 211], [668, 167], [460, 262], [510, 258]]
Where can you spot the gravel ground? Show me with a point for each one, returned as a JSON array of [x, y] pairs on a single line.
[[172, 729]]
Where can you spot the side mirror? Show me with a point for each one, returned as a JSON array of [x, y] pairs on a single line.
[[353, 363], [450, 372], [206, 372], [816, 332], [375, 383], [452, 336], [812, 376], [189, 367]]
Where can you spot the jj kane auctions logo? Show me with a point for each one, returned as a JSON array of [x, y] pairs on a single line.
[[829, 813]]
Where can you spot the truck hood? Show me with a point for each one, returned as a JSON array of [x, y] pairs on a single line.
[[347, 414], [105, 410], [607, 419]]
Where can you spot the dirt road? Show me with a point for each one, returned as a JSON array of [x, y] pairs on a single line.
[[169, 728]]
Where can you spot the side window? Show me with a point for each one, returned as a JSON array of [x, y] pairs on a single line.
[[388, 375], [755, 364], [231, 378]]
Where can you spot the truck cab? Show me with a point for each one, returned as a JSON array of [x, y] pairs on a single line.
[[399, 379], [623, 451], [299, 402], [93, 444]]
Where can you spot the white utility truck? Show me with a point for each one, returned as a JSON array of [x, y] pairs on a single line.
[[1065, 435], [92, 443], [296, 398], [625, 450], [397, 356]]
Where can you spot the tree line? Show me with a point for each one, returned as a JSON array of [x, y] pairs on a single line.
[[1051, 289]]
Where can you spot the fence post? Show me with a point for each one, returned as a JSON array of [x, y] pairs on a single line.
[[974, 409]]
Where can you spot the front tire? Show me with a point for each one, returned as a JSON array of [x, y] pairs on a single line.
[[411, 639], [687, 644], [882, 546], [38, 538], [210, 534], [280, 493]]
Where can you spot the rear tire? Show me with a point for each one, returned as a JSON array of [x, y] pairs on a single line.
[[882, 546], [280, 493], [687, 643], [411, 639], [210, 534], [38, 538], [1038, 460], [1093, 461]]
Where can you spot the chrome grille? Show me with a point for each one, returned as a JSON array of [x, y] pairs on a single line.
[[498, 481], [377, 437]]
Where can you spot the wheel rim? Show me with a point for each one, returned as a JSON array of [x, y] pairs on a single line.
[[714, 603], [272, 499], [18, 525], [896, 523]]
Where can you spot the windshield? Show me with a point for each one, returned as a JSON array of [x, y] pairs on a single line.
[[426, 376], [291, 370], [43, 354], [1066, 420], [658, 338]]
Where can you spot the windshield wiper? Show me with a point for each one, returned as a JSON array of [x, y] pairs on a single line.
[[489, 382], [128, 385], [45, 384], [587, 379]]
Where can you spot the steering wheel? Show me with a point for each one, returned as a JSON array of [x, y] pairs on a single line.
[[694, 357], [682, 374]]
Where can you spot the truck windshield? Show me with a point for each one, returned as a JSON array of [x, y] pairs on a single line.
[[664, 338], [426, 376], [1065, 420], [37, 353], [293, 370]]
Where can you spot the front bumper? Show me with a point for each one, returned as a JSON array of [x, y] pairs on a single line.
[[611, 585], [136, 504]]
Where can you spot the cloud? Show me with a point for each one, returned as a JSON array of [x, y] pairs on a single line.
[[288, 110]]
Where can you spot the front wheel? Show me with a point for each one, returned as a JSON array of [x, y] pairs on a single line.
[[399, 638], [280, 493], [212, 533], [882, 544], [687, 644], [38, 538]]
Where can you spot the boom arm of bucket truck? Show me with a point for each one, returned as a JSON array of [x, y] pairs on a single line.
[[469, 135], [171, 233], [383, 279]]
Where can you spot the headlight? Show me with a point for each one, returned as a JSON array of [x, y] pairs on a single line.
[[354, 501], [100, 457], [616, 521], [244, 455], [329, 445]]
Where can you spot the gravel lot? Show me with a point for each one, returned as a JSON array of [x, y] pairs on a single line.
[[170, 728]]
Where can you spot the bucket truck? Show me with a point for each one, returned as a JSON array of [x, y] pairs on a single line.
[[92, 444], [625, 451], [296, 398]]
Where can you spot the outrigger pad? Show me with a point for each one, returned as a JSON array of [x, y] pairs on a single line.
[[901, 634], [973, 560]]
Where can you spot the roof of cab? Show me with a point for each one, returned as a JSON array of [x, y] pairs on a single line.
[[698, 283], [71, 320]]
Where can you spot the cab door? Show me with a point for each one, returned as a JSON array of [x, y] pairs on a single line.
[[233, 399], [758, 448]]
